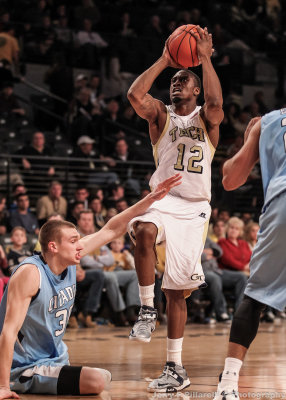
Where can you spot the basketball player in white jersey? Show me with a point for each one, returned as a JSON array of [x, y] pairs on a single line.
[[184, 137]]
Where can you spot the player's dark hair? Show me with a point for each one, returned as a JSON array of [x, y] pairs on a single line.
[[196, 79]]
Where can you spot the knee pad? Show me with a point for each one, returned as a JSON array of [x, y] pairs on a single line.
[[246, 321]]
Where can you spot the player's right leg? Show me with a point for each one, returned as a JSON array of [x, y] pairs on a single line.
[[145, 262]]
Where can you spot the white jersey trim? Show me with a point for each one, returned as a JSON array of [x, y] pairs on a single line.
[[155, 146]]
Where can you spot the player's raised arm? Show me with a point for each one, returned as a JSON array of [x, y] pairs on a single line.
[[146, 106], [23, 285], [117, 225], [212, 109], [237, 169]]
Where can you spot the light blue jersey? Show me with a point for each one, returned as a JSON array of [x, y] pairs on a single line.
[[40, 337], [272, 151], [267, 281]]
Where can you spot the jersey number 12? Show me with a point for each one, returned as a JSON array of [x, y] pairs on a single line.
[[197, 156]]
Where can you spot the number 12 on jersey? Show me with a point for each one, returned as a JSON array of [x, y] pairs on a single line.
[[197, 156]]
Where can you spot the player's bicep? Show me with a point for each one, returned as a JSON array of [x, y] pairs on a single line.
[[212, 114], [146, 107], [23, 285]]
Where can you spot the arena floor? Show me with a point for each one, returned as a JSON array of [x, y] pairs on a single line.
[[132, 364]]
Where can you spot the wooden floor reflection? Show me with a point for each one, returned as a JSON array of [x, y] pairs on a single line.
[[132, 364]]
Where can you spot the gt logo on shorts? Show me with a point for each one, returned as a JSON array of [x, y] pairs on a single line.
[[197, 277]]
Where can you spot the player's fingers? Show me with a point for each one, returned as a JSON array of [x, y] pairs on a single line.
[[173, 180], [14, 395], [200, 31], [195, 35], [173, 177]]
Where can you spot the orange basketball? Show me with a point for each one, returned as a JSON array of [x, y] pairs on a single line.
[[182, 46]]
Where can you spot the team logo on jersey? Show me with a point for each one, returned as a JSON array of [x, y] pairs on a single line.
[[197, 277], [63, 297], [192, 132], [203, 215]]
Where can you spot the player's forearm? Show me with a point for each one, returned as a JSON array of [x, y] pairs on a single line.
[[144, 82], [115, 227], [212, 88], [7, 342]]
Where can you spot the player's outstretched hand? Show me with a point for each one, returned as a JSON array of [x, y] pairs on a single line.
[[6, 393], [167, 56], [204, 42], [251, 123], [164, 187]]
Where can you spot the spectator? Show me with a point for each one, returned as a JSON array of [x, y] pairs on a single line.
[[96, 206], [117, 192], [96, 97], [9, 49], [125, 27], [111, 212], [87, 10], [236, 252], [218, 279], [82, 195], [9, 105], [22, 216], [124, 260], [17, 189], [102, 259], [51, 203], [90, 44], [74, 210], [3, 215], [250, 234], [125, 171], [39, 167], [94, 174], [218, 230], [224, 214], [18, 251], [121, 205], [4, 278]]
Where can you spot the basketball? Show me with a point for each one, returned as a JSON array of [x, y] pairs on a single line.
[[182, 46]]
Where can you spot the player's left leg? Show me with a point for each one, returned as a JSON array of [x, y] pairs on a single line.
[[61, 380], [243, 331], [174, 376]]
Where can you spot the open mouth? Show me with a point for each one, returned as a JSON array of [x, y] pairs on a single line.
[[77, 256], [176, 91]]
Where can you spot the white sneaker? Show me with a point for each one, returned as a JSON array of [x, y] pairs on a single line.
[[226, 394]]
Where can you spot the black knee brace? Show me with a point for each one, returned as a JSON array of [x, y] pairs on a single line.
[[246, 321]]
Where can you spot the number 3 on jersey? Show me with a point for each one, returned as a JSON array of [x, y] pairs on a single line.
[[193, 160]]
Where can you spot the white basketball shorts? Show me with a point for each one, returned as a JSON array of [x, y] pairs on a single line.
[[183, 224]]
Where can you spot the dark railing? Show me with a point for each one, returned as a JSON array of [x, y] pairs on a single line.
[[71, 172], [92, 173]]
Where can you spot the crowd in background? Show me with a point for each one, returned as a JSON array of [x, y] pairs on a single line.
[[89, 121]]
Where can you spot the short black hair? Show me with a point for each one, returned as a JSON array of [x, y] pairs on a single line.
[[194, 76], [19, 195]]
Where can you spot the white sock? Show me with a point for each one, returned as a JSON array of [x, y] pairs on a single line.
[[174, 350], [146, 294], [230, 373]]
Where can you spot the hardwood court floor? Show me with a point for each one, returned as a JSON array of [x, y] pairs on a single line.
[[131, 363]]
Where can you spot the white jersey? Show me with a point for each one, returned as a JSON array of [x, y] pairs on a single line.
[[184, 146]]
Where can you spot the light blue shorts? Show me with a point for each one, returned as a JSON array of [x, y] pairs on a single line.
[[37, 379], [267, 281]]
